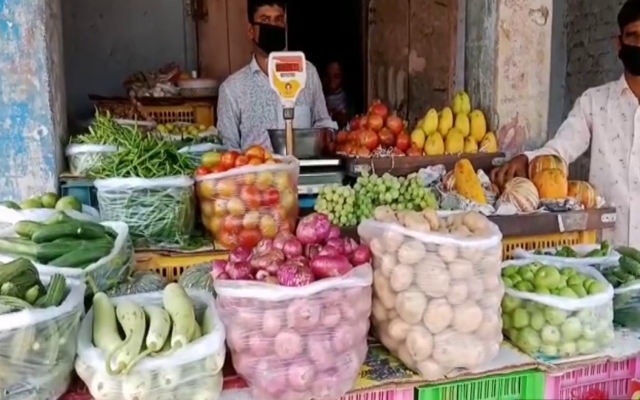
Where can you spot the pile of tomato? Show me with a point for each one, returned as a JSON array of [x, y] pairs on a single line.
[[245, 205]]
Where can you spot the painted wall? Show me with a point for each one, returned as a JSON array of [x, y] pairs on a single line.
[[32, 105], [106, 41]]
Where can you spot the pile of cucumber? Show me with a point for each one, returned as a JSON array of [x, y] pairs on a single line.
[[61, 241]]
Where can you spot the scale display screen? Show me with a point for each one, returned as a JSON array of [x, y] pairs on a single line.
[[288, 67]]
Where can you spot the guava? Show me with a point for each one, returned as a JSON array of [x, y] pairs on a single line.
[[510, 303], [549, 350], [526, 274], [515, 278], [586, 315], [605, 337], [575, 280], [554, 316], [513, 334], [507, 282], [586, 346], [588, 332], [542, 290], [536, 320], [578, 290], [31, 203], [568, 349], [49, 200], [519, 318], [528, 340], [524, 286], [68, 203], [568, 293], [510, 270], [535, 266], [547, 277], [597, 287], [567, 272], [571, 329], [506, 322], [550, 334], [562, 283]]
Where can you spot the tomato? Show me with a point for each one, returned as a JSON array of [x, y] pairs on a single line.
[[228, 159], [271, 197], [219, 169], [211, 159], [403, 141], [201, 171], [227, 240], [288, 199], [249, 179], [226, 188], [282, 181], [232, 224], [206, 208], [236, 207], [268, 226], [255, 161], [241, 160], [249, 238], [251, 220], [220, 207], [255, 152], [215, 224], [206, 189], [250, 196], [264, 180], [279, 214]]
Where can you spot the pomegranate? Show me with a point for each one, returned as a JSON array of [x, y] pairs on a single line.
[[355, 123], [363, 152], [375, 122], [395, 124], [342, 137], [403, 142], [380, 109], [397, 152], [387, 139], [369, 140], [414, 152]]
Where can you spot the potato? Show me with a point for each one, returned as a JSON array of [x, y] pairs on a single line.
[[398, 329], [438, 315], [490, 326], [458, 292], [460, 269], [410, 305], [431, 216], [475, 221], [466, 317], [410, 252], [387, 341], [383, 290], [447, 252], [491, 282], [475, 287], [378, 310], [419, 343], [401, 278], [384, 214], [453, 349], [404, 356], [461, 232], [471, 253], [430, 370], [377, 248], [413, 220], [387, 263], [392, 314], [433, 281], [392, 240]]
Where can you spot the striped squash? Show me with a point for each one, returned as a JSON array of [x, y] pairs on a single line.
[[522, 193]]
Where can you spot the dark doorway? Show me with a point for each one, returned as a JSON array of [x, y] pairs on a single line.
[[332, 30]]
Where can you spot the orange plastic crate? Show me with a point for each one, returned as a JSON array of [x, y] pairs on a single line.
[[545, 241]]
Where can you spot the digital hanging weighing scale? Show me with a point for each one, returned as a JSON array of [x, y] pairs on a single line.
[[287, 77]]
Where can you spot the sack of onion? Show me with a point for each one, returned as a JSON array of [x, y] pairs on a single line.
[[297, 312]]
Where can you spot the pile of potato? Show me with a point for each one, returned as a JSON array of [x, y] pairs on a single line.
[[436, 288]]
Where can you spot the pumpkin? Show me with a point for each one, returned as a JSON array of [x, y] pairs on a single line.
[[522, 193], [448, 181], [551, 184], [198, 277], [138, 282], [584, 192], [549, 161]]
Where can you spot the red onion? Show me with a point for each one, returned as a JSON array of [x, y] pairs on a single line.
[[349, 245], [265, 260], [337, 243], [330, 266], [334, 232], [300, 260], [223, 276], [264, 246], [330, 251], [292, 248], [313, 229], [311, 250], [239, 254], [301, 376], [361, 255], [262, 275], [280, 239], [218, 268], [239, 271], [291, 274]]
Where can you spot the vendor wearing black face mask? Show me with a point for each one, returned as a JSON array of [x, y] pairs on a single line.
[[606, 117], [247, 106]]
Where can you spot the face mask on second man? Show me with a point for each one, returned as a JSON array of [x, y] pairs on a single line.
[[271, 37]]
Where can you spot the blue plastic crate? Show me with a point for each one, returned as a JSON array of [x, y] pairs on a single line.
[[305, 201], [82, 190]]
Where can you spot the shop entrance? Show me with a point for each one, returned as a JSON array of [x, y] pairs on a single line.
[[332, 30]]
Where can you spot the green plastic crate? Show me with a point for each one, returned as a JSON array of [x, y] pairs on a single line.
[[527, 385]]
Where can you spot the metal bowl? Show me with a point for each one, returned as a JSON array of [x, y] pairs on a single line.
[[307, 143]]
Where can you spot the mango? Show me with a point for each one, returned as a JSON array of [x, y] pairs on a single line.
[[489, 143], [434, 145], [462, 123], [430, 121], [417, 138], [470, 145], [445, 122], [466, 103], [477, 125], [454, 142], [456, 105]]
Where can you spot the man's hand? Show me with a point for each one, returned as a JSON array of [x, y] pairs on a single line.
[[516, 167]]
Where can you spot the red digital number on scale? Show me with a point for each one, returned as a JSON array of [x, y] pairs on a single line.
[[288, 67]]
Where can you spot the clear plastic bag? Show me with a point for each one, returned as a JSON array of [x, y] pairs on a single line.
[[159, 212], [436, 297], [626, 294], [298, 343], [108, 271], [83, 158], [551, 326], [38, 347], [580, 249], [243, 205], [9, 216], [196, 151], [190, 373]]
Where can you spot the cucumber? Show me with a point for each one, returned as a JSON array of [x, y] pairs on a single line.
[[26, 229], [56, 292], [630, 266], [18, 247], [21, 343], [83, 256], [51, 251], [74, 229], [58, 218], [629, 252]]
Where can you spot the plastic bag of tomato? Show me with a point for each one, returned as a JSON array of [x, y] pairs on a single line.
[[241, 203]]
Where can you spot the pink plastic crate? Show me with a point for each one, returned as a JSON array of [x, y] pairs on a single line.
[[390, 394], [611, 377]]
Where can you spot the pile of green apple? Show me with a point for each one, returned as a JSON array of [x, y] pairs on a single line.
[[541, 329]]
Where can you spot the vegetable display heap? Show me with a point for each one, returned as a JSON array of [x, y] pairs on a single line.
[[557, 311], [47, 200], [347, 206], [567, 252], [625, 279], [436, 288]]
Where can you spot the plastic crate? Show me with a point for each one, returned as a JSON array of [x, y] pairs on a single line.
[[82, 190], [389, 394], [526, 385], [171, 267], [193, 113], [307, 201], [546, 241], [610, 377]]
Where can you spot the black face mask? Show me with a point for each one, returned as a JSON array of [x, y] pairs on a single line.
[[630, 57], [271, 38]]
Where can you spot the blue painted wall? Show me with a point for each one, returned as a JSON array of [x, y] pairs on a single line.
[[31, 97]]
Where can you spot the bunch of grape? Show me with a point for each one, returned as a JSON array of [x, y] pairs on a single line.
[[399, 193], [339, 203]]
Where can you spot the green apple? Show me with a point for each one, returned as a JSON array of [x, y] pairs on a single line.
[[536, 320], [554, 316], [578, 290], [567, 271], [571, 329], [547, 276], [512, 334], [568, 349], [597, 287], [529, 340], [510, 303], [588, 332], [535, 266], [575, 280], [520, 318], [524, 286], [507, 282], [587, 282], [526, 274], [549, 350], [586, 346], [567, 292], [506, 322], [510, 270], [550, 334], [605, 338], [542, 290], [587, 315], [562, 283], [515, 278]]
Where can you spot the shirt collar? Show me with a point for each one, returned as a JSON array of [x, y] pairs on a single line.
[[623, 87], [255, 67]]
